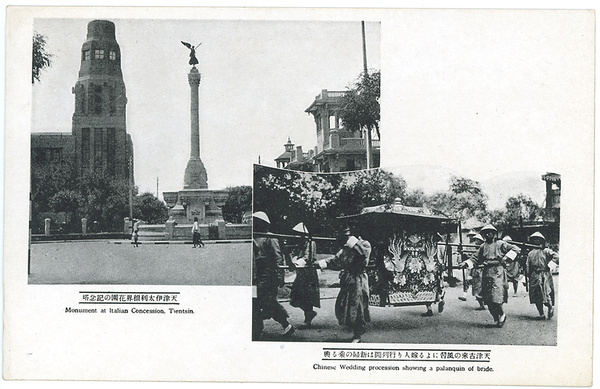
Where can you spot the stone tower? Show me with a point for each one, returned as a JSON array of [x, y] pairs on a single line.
[[195, 176], [101, 142]]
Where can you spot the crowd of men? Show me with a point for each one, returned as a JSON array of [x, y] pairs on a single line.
[[493, 263]]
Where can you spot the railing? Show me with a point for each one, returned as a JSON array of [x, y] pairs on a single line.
[[330, 95], [356, 142]]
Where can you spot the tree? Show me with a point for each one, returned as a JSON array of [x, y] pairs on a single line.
[[415, 198], [40, 58], [464, 200], [67, 201], [150, 209], [360, 104], [106, 200], [290, 197], [519, 209], [239, 201]]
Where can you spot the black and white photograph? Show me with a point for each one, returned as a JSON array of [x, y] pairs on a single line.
[[120, 166], [299, 195], [364, 257]]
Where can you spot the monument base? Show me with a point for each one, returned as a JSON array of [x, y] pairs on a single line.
[[204, 204]]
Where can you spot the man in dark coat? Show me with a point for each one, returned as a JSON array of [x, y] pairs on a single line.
[[493, 255], [540, 263], [352, 303], [266, 259], [305, 292]]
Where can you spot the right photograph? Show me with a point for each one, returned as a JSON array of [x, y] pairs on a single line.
[[416, 254]]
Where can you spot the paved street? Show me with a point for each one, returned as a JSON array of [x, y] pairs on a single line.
[[119, 262], [460, 323]]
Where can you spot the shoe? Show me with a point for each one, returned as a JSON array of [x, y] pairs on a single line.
[[289, 330], [502, 321], [541, 317], [355, 340], [427, 314], [311, 316], [441, 306], [550, 312], [304, 326]]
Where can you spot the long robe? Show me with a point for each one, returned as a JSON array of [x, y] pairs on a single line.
[[494, 283], [267, 258], [541, 285], [305, 289], [352, 303]]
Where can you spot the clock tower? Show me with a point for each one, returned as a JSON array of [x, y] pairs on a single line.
[[101, 142]]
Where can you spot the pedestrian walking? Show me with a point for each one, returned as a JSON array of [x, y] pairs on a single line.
[[493, 255], [196, 234], [352, 303], [136, 232], [440, 254], [305, 292], [540, 264], [476, 276], [467, 280], [513, 270], [266, 259]]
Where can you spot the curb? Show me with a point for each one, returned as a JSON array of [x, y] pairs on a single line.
[[160, 242]]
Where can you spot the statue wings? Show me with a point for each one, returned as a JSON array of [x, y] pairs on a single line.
[[190, 46]]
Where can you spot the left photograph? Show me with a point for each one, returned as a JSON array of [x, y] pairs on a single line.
[[144, 132]]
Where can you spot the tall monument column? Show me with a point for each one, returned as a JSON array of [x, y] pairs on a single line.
[[195, 174]]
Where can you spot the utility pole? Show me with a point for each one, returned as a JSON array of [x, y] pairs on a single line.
[[366, 80]]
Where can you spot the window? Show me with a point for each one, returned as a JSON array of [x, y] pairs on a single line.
[[85, 55], [350, 164], [112, 55], [98, 54]]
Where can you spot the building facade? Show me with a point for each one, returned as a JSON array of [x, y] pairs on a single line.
[[337, 149], [98, 141]]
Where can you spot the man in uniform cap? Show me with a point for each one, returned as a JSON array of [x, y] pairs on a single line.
[[266, 258], [513, 270], [468, 279], [352, 303], [540, 263], [305, 292], [493, 255], [475, 275]]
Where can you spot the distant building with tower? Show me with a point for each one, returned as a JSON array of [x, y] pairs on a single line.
[[98, 142], [337, 149]]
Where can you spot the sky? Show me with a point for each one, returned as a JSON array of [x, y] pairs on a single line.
[[258, 77], [481, 93]]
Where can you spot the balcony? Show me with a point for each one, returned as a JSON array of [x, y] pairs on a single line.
[[357, 143]]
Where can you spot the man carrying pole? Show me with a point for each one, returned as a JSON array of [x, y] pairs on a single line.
[[493, 255], [352, 303], [267, 258], [540, 263]]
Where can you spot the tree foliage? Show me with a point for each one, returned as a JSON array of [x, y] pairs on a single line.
[[106, 200], [40, 57], [99, 197], [150, 209], [464, 200], [290, 197], [239, 201], [518, 210], [360, 104]]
